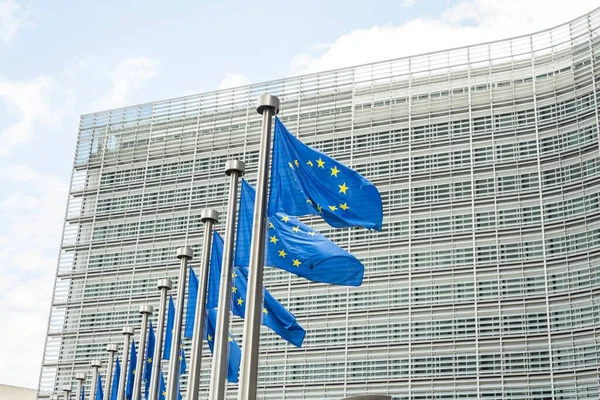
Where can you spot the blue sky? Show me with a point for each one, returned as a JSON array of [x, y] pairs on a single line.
[[64, 58]]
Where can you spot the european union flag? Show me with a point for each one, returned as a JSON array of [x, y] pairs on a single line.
[[162, 395], [305, 181], [275, 316], [169, 331], [115, 382], [190, 314], [82, 397], [295, 247], [131, 371], [149, 356], [235, 353], [99, 391]]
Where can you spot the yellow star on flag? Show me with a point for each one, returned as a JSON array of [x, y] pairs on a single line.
[[343, 188], [334, 171], [285, 218], [311, 233], [209, 338], [344, 206], [332, 208], [273, 239], [234, 290], [309, 163], [309, 201], [230, 339], [240, 301], [133, 372], [296, 262], [297, 163], [234, 275], [149, 359], [282, 253], [320, 163], [296, 229], [319, 209], [271, 226], [265, 311], [164, 393], [291, 166]]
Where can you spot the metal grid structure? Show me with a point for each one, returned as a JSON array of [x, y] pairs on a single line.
[[485, 280]]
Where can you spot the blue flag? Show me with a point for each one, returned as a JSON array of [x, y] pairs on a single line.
[[275, 316], [82, 393], [162, 391], [295, 247], [99, 391], [149, 359], [131, 371], [190, 314], [169, 330], [115, 383], [305, 181], [235, 353]]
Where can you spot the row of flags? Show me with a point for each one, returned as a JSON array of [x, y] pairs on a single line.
[[304, 181]]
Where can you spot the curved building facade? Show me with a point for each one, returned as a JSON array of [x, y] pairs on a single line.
[[485, 281]]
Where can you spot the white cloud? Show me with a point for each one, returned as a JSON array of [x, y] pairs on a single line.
[[127, 77], [233, 79], [31, 211], [12, 18], [32, 104], [468, 22]]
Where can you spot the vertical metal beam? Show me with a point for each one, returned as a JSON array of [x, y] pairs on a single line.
[[209, 217], [127, 334], [146, 311], [96, 364], [111, 349], [164, 285], [267, 106], [184, 254], [218, 375]]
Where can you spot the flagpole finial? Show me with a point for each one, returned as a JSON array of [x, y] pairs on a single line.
[[127, 330], [112, 348], [235, 166], [165, 284], [185, 252], [80, 376], [66, 388], [208, 214], [96, 363], [146, 309], [267, 101]]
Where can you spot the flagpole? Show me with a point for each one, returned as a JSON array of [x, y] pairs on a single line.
[[67, 391], [80, 378], [218, 375], [184, 254], [146, 311], [268, 106], [209, 217], [96, 364], [127, 333], [164, 285], [111, 349]]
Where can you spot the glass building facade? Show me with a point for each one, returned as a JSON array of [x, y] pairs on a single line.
[[485, 281]]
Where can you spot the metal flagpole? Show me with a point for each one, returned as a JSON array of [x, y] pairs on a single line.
[[267, 106], [209, 217], [96, 364], [218, 375], [127, 333], [112, 349], [145, 310], [184, 254], [164, 285], [80, 378], [67, 391]]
